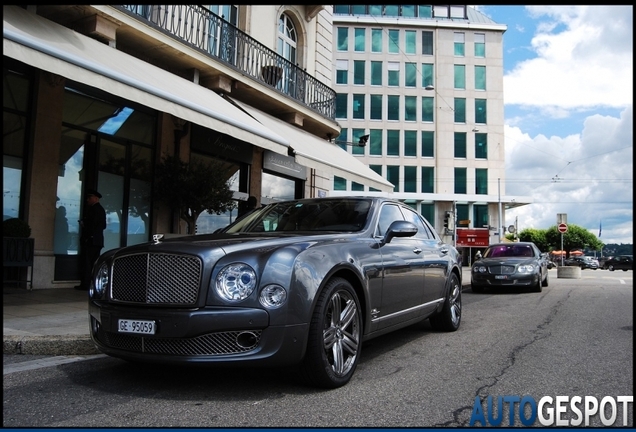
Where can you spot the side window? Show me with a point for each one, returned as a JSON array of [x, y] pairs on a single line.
[[388, 214], [411, 216]]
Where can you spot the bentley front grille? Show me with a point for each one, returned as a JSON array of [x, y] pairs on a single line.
[[502, 270], [157, 278]]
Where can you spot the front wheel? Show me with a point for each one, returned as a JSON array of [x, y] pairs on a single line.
[[451, 315], [335, 337], [610, 267]]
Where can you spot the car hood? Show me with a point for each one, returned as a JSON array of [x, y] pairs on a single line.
[[505, 261]]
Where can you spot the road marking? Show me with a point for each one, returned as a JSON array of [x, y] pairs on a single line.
[[46, 362]]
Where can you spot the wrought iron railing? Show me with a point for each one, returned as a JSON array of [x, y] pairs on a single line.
[[217, 38]]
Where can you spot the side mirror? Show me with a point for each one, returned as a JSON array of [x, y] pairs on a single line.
[[400, 228]]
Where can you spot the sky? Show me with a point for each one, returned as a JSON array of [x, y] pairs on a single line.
[[568, 101]]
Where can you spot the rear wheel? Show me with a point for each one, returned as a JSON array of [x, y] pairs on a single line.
[[335, 337], [610, 267], [451, 315]]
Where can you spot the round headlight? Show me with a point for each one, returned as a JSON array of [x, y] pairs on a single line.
[[236, 282], [526, 268], [101, 282], [273, 296]]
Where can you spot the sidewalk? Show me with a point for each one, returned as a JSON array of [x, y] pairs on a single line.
[[55, 321]]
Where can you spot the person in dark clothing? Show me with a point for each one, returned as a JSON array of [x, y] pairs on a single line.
[[92, 225]]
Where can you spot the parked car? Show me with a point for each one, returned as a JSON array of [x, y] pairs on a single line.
[[621, 262], [302, 282], [584, 262], [515, 265]]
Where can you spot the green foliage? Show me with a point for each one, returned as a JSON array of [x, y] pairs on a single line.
[[193, 188], [536, 236], [16, 228], [550, 239]]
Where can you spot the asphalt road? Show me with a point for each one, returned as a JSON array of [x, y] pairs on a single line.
[[573, 339]]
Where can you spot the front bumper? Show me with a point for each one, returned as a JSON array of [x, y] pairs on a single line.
[[523, 280]]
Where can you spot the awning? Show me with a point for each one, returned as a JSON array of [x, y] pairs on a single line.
[[313, 152], [49, 46]]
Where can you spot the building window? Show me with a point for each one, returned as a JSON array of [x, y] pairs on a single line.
[[393, 107], [409, 41], [287, 39], [460, 77], [358, 106], [376, 73], [480, 216], [408, 11], [339, 183], [343, 38], [459, 45], [440, 11], [375, 142], [480, 77], [375, 10], [460, 145], [358, 72], [460, 180], [481, 181], [462, 215], [391, 10], [410, 179], [410, 143], [357, 133], [393, 143], [428, 109], [376, 107], [480, 111], [410, 108], [394, 73], [376, 40], [458, 12], [344, 132], [410, 75], [342, 71], [394, 41], [341, 105], [378, 170], [428, 180], [341, 9], [428, 211], [480, 45], [393, 176], [481, 146], [428, 144], [359, 36], [427, 43], [460, 110], [424, 11], [357, 187], [427, 74]]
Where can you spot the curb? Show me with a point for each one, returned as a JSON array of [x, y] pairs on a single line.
[[49, 345]]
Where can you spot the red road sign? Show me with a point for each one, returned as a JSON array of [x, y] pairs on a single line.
[[562, 227]]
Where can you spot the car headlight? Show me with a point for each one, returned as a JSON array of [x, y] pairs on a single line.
[[479, 269], [100, 284], [235, 282], [527, 268], [273, 296]]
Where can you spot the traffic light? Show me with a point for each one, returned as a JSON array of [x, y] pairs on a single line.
[[449, 221]]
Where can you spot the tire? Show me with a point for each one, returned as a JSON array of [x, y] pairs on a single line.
[[335, 337], [450, 317], [476, 288], [546, 281], [610, 267], [539, 286]]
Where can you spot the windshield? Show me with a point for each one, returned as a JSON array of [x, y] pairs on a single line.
[[344, 215], [509, 251]]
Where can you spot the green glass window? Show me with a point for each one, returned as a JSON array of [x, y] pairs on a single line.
[[375, 10], [339, 183], [410, 108], [481, 181], [462, 214], [428, 144], [393, 107], [376, 73], [425, 11], [393, 142], [427, 43], [480, 45], [410, 143], [359, 36], [480, 216], [343, 38], [410, 74], [427, 74], [358, 72], [409, 41], [408, 11], [376, 107], [378, 170], [358, 106], [394, 41], [359, 9], [393, 175], [428, 109], [342, 71], [375, 142], [341, 9], [460, 144], [341, 105], [460, 110], [357, 187], [428, 180], [480, 77], [356, 134], [394, 73], [428, 211], [460, 180], [460, 76], [410, 179], [344, 132], [480, 111], [376, 40], [460, 49], [481, 146]]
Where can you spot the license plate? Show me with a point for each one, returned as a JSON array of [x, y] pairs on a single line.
[[136, 326], [501, 277]]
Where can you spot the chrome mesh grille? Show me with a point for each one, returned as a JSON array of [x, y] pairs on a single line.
[[209, 344], [157, 279], [502, 269]]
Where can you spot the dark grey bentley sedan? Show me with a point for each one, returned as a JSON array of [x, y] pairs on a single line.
[[302, 282]]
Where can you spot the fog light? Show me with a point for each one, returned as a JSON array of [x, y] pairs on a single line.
[[273, 296]]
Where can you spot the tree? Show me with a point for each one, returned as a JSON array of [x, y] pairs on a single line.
[[536, 236], [576, 237], [193, 188]]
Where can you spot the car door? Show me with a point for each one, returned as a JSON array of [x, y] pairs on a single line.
[[403, 273]]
